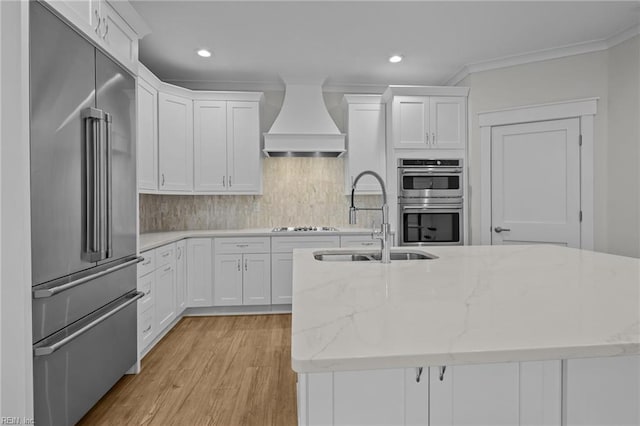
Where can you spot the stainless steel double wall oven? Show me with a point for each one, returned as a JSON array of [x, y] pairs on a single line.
[[430, 202]]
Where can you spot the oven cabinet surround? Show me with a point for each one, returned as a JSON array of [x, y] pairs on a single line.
[[365, 118], [427, 118], [556, 345], [113, 26], [197, 142]]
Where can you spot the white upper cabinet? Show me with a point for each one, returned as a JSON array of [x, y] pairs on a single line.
[[365, 141], [243, 147], [227, 147], [147, 136], [114, 26], [427, 117], [210, 145], [175, 118]]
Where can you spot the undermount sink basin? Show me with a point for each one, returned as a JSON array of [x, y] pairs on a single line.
[[368, 255]]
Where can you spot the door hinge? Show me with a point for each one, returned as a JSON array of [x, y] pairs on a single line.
[[580, 215], [580, 140]]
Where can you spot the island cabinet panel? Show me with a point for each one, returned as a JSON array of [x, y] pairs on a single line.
[[383, 397], [525, 394], [199, 272], [603, 391]]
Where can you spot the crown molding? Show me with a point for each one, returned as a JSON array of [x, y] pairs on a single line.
[[544, 55]]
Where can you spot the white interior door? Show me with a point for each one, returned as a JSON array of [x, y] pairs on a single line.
[[535, 183]]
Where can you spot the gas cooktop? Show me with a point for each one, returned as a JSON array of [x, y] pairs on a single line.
[[305, 229]]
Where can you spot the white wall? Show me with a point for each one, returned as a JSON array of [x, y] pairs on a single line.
[[16, 383], [574, 77], [623, 186]]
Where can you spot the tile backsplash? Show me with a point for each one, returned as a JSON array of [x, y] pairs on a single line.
[[296, 191]]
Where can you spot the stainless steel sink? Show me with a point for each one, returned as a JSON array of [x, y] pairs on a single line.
[[368, 255]]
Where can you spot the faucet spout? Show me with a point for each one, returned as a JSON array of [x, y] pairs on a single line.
[[384, 234]]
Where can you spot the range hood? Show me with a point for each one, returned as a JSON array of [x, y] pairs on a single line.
[[304, 127]]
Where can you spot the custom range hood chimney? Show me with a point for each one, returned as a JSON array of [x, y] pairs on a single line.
[[303, 127]]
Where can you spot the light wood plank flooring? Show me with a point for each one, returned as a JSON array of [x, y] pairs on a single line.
[[233, 370]]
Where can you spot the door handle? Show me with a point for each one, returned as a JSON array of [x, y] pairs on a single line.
[[427, 137], [108, 118], [245, 265], [239, 264], [499, 229]]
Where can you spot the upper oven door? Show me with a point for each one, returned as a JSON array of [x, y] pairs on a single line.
[[430, 182], [430, 224]]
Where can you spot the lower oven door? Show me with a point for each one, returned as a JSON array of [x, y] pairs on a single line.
[[428, 222]]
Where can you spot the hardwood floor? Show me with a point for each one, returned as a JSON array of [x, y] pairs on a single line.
[[233, 370]]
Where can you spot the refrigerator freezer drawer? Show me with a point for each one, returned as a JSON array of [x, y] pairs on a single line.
[[83, 362], [51, 314]]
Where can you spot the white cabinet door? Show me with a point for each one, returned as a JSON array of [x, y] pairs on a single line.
[[165, 297], [411, 122], [227, 289], [181, 276], [603, 391], [366, 146], [85, 14], [448, 117], [210, 145], [199, 272], [243, 142], [147, 136], [281, 278], [175, 135], [256, 279], [121, 40], [526, 394]]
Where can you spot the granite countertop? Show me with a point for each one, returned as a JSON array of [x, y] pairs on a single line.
[[152, 240], [473, 304]]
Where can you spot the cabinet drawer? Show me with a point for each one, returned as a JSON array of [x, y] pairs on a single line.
[[359, 241], [148, 264], [146, 328], [145, 285], [287, 244], [165, 255], [242, 245]]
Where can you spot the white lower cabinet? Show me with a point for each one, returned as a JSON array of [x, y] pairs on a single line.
[[525, 394], [181, 276], [242, 277], [282, 262], [199, 272], [165, 290]]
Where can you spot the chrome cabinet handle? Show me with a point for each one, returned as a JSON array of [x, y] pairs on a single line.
[[427, 134], [442, 370], [148, 292], [167, 269], [224, 183], [418, 374], [245, 265], [229, 181], [239, 264], [499, 229], [166, 254], [97, 30], [368, 243], [242, 245], [106, 30], [146, 263], [146, 329], [433, 138], [162, 179]]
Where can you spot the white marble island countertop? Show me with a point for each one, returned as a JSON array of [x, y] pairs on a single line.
[[471, 305]]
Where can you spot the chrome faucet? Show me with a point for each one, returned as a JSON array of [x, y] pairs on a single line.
[[384, 234]]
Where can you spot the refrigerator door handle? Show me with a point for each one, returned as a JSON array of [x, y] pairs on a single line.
[[93, 118], [47, 350], [109, 186], [48, 292]]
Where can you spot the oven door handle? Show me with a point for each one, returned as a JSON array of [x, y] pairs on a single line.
[[434, 207], [431, 171]]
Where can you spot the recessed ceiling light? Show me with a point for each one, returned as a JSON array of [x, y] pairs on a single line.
[[395, 59], [204, 53]]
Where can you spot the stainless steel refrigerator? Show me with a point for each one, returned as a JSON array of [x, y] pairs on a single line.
[[83, 224]]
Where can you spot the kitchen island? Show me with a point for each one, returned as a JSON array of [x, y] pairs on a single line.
[[379, 336]]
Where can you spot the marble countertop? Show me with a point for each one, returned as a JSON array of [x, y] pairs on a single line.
[[471, 305], [152, 240]]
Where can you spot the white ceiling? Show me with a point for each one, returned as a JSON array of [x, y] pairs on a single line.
[[257, 43]]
